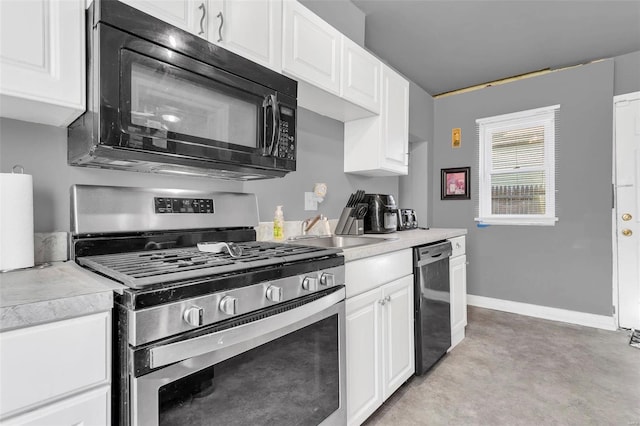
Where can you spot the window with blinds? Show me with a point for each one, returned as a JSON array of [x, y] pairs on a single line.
[[517, 168]]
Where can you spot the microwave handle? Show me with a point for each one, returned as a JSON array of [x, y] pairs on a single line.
[[271, 102]]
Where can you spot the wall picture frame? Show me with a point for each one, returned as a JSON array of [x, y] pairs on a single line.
[[455, 183]]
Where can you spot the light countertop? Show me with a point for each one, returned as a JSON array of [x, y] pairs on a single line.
[[54, 292], [398, 241], [63, 290]]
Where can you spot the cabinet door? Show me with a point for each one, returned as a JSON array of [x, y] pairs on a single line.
[[42, 60], [190, 15], [458, 281], [395, 121], [364, 368], [49, 361], [311, 48], [250, 28], [360, 77], [398, 343]]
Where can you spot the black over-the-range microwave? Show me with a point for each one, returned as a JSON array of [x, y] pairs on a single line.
[[160, 99]]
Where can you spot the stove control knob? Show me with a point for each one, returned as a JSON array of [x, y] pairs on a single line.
[[193, 316], [229, 305], [327, 280], [274, 293], [310, 283]]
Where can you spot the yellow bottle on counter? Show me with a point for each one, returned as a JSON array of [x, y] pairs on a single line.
[[278, 224]]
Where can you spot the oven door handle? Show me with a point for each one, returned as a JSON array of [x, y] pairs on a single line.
[[179, 351]]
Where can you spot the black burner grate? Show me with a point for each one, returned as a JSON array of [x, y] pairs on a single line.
[[139, 269]]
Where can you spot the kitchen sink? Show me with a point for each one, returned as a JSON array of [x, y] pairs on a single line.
[[336, 241]]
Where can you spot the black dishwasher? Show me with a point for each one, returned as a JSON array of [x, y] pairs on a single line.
[[432, 303]]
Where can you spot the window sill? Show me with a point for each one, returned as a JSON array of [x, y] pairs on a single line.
[[520, 221]]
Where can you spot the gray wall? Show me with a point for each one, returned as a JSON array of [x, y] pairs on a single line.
[[568, 265], [414, 188], [420, 114], [627, 73], [42, 150], [321, 159]]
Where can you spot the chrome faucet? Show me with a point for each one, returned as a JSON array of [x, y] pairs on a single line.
[[309, 223]]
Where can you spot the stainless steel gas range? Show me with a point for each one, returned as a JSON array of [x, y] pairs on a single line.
[[214, 328]]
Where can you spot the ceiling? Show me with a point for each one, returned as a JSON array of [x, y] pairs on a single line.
[[448, 45]]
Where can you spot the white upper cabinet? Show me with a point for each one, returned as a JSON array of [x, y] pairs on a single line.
[[379, 146], [250, 28], [360, 77], [42, 60], [189, 15], [395, 121], [336, 77], [311, 48]]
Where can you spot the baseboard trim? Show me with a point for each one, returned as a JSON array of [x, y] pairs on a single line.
[[554, 314]]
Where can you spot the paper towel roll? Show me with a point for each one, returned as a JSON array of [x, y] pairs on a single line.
[[16, 221]]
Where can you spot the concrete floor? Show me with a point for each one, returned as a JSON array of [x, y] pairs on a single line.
[[517, 370]]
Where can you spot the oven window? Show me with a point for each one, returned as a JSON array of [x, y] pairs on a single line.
[[293, 380], [163, 100]]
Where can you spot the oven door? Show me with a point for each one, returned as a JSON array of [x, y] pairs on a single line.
[[159, 101], [284, 369]]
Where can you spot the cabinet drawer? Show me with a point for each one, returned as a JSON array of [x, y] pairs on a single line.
[[458, 244], [366, 274], [52, 360], [90, 408]]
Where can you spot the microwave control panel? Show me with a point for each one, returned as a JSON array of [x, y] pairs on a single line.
[[287, 139]]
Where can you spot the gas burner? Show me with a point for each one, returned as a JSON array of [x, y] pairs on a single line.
[[145, 268]]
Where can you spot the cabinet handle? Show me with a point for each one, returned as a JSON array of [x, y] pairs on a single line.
[[382, 301], [221, 16], [204, 14]]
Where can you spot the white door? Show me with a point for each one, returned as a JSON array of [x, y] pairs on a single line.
[[42, 61], [360, 77], [364, 382], [398, 336], [627, 232], [458, 281], [311, 48], [252, 29], [190, 15], [395, 120]]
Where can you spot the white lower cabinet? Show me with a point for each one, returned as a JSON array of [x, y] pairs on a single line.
[[458, 283], [380, 340], [88, 408], [57, 373]]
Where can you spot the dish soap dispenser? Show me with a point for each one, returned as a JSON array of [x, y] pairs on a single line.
[[278, 224]]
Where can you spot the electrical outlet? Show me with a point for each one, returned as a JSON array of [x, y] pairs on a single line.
[[310, 201]]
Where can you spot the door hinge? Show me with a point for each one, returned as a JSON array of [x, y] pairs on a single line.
[[613, 310]]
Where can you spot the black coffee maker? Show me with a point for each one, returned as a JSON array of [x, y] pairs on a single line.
[[382, 215]]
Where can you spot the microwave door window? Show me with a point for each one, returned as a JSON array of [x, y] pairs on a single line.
[[166, 100]]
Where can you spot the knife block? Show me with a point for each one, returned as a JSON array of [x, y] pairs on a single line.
[[357, 227], [348, 224]]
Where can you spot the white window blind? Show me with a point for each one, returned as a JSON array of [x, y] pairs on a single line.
[[517, 168]]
